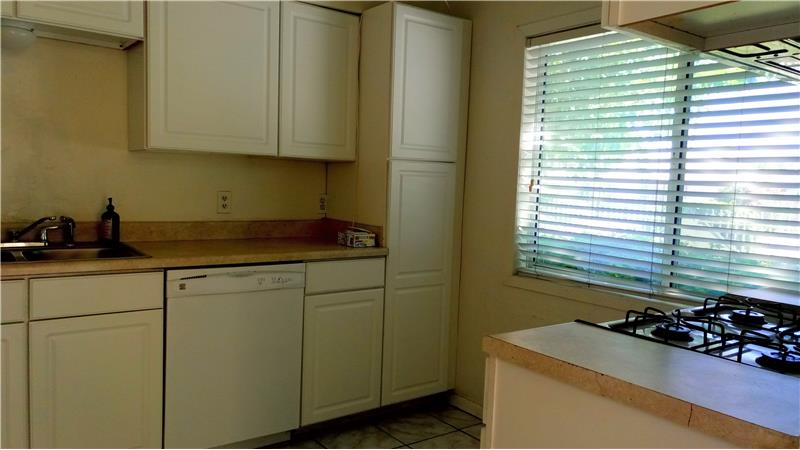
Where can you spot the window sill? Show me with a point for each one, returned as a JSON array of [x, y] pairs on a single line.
[[593, 295]]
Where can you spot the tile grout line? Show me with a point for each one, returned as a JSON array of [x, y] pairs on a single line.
[[429, 438], [454, 429], [470, 436], [421, 440]]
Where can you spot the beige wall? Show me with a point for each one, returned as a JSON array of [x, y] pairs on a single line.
[[64, 149], [488, 303]]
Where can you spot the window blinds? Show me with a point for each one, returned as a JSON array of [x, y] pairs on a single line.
[[656, 170]]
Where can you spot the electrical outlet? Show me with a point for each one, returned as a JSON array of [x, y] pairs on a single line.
[[224, 202], [323, 204]]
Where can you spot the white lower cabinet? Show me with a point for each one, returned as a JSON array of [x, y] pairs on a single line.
[[14, 385], [96, 364], [96, 381], [341, 354], [342, 338], [14, 364], [418, 279]]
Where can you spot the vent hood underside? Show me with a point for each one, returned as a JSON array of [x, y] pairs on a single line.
[[761, 34], [780, 56]]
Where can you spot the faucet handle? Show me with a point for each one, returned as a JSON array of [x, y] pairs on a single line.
[[43, 236], [68, 230]]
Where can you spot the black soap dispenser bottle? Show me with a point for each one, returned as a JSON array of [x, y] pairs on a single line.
[[109, 227]]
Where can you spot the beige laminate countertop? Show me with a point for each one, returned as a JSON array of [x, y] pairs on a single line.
[[748, 406], [174, 254]]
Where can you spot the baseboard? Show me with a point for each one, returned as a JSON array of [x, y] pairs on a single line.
[[466, 405]]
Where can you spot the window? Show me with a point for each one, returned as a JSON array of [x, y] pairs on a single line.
[[657, 170]]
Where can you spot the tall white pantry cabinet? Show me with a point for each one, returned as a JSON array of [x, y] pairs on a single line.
[[409, 176]]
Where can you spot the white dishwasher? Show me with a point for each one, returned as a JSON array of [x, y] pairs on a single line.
[[233, 354]]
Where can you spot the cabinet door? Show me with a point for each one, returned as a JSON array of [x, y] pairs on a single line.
[[429, 92], [213, 76], [14, 385], [95, 381], [124, 18], [342, 336], [319, 83], [418, 277]]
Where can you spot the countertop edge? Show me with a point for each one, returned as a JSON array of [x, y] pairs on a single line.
[[10, 271], [723, 426]]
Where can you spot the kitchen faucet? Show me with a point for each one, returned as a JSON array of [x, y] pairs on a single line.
[[67, 226]]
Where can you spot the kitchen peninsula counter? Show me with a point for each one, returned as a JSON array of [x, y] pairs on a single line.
[[740, 404], [195, 253]]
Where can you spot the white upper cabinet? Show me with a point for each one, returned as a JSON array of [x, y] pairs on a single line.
[[212, 78], [319, 83], [122, 18], [429, 85]]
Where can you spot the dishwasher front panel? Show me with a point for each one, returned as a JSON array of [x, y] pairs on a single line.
[[232, 367]]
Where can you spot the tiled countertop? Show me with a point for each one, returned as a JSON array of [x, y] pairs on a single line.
[[748, 406], [174, 254]]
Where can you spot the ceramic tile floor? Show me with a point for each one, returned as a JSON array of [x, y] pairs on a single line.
[[431, 426]]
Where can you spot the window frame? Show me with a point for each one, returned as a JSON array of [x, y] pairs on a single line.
[[667, 293]]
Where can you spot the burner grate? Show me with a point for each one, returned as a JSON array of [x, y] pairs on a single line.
[[743, 329]]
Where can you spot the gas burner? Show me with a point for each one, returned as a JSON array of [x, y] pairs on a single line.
[[790, 336], [747, 317], [673, 332], [748, 330], [782, 361]]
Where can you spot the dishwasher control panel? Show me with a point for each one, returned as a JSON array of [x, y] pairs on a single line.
[[184, 283]]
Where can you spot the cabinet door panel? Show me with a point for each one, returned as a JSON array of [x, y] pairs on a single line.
[[125, 18], [418, 277], [341, 354], [213, 76], [96, 381], [419, 331], [319, 82], [420, 226], [429, 85], [14, 385]]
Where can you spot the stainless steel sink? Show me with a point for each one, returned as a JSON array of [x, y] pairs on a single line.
[[80, 251]]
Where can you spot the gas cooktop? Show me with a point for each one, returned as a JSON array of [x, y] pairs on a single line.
[[748, 330]]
